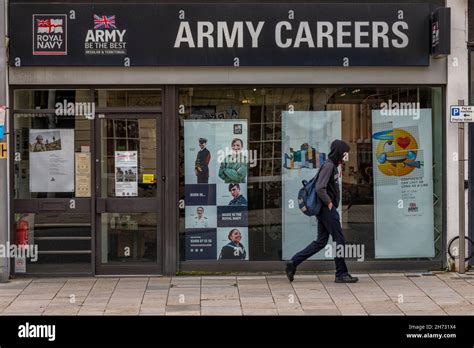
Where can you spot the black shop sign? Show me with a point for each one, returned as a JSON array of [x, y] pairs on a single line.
[[67, 34]]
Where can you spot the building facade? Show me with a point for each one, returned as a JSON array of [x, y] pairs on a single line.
[[176, 139]]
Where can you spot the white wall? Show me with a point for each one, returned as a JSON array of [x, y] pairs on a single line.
[[435, 73]]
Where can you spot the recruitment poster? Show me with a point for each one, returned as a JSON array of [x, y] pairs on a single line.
[[403, 185], [126, 173], [216, 169], [51, 160], [307, 137]]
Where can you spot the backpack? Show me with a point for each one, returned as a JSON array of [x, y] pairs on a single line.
[[308, 200]]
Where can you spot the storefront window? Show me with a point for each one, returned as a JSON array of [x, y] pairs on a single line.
[[51, 99], [46, 143], [391, 181], [52, 160], [128, 98], [128, 237], [132, 139]]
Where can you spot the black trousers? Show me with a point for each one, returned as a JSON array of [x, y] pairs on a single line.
[[329, 223], [203, 178]]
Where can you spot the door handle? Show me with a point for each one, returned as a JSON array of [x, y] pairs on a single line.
[[163, 178]]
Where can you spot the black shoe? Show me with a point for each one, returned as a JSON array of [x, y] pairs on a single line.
[[290, 270], [346, 278]]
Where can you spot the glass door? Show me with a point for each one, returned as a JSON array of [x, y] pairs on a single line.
[[128, 191]]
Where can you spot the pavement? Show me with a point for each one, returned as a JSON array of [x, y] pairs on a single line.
[[439, 293]]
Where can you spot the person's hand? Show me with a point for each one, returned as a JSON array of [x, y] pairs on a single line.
[[330, 205]]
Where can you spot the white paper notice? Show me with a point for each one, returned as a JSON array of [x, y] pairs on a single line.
[[51, 160], [83, 174], [126, 173]]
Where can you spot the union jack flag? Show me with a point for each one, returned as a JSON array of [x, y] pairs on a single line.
[[50, 26], [104, 22]]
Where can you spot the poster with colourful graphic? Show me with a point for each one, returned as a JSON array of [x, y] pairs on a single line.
[[307, 137], [216, 159], [403, 185]]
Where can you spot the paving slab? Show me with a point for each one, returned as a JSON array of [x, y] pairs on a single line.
[[220, 303], [440, 293], [222, 310]]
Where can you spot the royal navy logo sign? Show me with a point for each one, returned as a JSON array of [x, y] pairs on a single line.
[[49, 35]]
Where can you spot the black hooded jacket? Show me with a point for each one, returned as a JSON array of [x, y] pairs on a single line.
[[327, 185]]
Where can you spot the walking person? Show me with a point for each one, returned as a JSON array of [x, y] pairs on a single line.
[[329, 221]]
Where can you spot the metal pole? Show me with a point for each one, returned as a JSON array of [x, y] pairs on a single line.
[[462, 220]]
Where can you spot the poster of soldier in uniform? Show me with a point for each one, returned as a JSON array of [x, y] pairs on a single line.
[[216, 164], [126, 173], [51, 160]]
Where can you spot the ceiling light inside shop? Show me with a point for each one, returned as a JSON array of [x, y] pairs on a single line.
[[245, 101]]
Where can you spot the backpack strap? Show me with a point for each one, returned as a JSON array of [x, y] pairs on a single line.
[[319, 171], [315, 178]]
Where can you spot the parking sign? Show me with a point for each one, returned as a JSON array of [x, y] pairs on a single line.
[[461, 113]]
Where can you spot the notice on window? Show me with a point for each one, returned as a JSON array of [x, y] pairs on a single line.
[[403, 185], [148, 178], [3, 110], [216, 164], [126, 173], [83, 174], [51, 160], [20, 264]]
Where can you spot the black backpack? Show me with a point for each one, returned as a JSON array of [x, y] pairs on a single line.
[[308, 200]]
